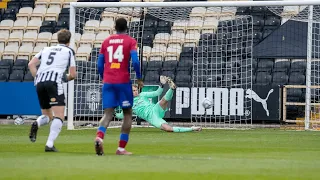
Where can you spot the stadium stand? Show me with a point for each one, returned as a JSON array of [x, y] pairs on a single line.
[[168, 47]]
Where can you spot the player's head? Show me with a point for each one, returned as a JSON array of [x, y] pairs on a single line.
[[135, 90], [121, 25], [64, 36]]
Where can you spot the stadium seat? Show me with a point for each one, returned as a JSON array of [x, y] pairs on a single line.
[[263, 78], [24, 13], [83, 53], [43, 38], [169, 65], [155, 65], [100, 38], [27, 3], [16, 76], [6, 26], [185, 63], [52, 14], [54, 39], [10, 14], [151, 77], [87, 40], [164, 27], [91, 26], [29, 38], [146, 52], [281, 65], [25, 52], [279, 78], [157, 53], [34, 25], [62, 24], [296, 78], [161, 39], [3, 76], [38, 13], [20, 64], [169, 73], [37, 49], [15, 38], [10, 52]]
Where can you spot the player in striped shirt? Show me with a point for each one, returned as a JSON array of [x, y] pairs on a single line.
[[48, 79]]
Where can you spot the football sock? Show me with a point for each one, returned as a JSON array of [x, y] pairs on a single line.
[[181, 129], [101, 131], [169, 94], [42, 120], [55, 129], [124, 138]]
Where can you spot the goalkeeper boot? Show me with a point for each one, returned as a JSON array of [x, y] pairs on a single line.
[[50, 149], [33, 131], [196, 128], [98, 143], [124, 152], [172, 85]]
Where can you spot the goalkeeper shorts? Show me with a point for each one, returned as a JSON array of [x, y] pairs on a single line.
[[157, 115]]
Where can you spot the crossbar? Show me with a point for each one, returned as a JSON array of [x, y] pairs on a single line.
[[196, 4]]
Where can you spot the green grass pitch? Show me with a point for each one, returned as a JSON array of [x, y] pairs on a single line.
[[210, 154]]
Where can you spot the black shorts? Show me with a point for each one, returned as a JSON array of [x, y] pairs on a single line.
[[48, 95]]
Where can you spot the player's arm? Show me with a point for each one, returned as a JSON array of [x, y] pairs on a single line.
[[136, 62], [101, 60], [72, 68], [151, 94], [35, 61]]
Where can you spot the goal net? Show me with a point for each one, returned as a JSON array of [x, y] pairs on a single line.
[[207, 48]]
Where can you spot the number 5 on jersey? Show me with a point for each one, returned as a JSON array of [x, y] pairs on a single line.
[[118, 55]]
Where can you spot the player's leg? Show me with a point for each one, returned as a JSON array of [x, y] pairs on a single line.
[[126, 102], [164, 102], [57, 102], [45, 110], [109, 102]]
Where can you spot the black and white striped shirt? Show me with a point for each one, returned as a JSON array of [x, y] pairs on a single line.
[[55, 60]]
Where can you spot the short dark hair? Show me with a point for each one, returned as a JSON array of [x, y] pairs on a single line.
[[64, 36], [121, 25]]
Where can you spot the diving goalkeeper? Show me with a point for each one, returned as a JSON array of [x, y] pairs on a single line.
[[154, 113]]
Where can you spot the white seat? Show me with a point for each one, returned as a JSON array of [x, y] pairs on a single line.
[[38, 13], [4, 36], [42, 3], [91, 26], [106, 25], [56, 3], [83, 53], [197, 13], [37, 49], [1, 49], [87, 39], [25, 52], [54, 39], [172, 53], [24, 13], [179, 26], [161, 38], [19, 25], [100, 38], [194, 26], [66, 3], [52, 13], [192, 39], [210, 26], [10, 52], [157, 52], [29, 38], [15, 38], [146, 53], [6, 26], [177, 38], [44, 38], [34, 25]]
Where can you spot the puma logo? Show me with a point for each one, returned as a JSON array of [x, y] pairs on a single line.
[[253, 95]]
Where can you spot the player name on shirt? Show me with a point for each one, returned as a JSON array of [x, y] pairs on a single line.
[[116, 41]]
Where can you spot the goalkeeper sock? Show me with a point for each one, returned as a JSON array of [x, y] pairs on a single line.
[[42, 120], [181, 129], [124, 138], [169, 94], [55, 129], [101, 131]]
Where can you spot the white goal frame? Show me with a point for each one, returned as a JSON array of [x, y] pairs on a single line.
[[310, 3]]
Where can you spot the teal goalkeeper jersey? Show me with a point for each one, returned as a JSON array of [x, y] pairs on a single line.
[[142, 107]]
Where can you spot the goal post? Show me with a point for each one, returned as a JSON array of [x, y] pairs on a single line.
[[169, 35]]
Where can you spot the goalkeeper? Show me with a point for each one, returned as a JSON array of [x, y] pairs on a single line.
[[154, 113]]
